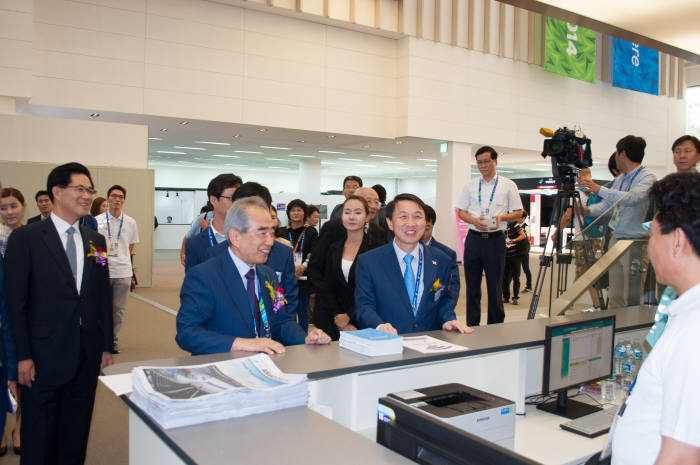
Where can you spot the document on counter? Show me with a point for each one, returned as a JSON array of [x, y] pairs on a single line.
[[430, 345], [119, 384]]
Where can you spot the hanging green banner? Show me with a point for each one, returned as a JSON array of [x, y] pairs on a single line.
[[569, 50]]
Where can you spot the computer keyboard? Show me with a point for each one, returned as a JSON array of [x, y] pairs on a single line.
[[593, 424]]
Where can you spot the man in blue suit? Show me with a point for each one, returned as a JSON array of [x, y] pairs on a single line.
[[428, 239], [280, 259], [220, 191], [233, 302], [402, 286]]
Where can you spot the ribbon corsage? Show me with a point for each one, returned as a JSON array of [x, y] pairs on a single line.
[[99, 255], [437, 286], [277, 296]]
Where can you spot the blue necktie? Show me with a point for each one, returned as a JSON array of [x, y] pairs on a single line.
[[250, 287], [409, 279]]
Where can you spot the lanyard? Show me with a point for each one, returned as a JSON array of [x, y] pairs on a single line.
[[121, 223], [212, 241], [291, 241], [263, 316], [629, 186], [493, 192], [414, 301]]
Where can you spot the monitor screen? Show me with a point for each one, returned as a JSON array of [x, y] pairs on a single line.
[[577, 353]]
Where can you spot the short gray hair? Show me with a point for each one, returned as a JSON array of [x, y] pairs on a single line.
[[237, 215]]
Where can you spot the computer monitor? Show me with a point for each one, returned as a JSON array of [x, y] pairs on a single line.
[[576, 353]]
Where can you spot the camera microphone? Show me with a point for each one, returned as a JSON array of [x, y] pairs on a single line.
[[546, 132]]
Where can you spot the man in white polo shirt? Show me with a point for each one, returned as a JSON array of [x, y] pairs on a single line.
[[660, 421], [122, 234], [487, 203]]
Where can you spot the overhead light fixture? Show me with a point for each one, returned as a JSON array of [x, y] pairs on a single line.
[[330, 136], [237, 166], [154, 138], [365, 166], [380, 156], [349, 159], [247, 151], [262, 130], [95, 115], [330, 151], [543, 164], [300, 156], [236, 136], [277, 167], [426, 159], [276, 159], [225, 156], [184, 122], [174, 153], [272, 147], [188, 148], [394, 162], [398, 142], [210, 142], [430, 165], [324, 162], [301, 141], [164, 130]]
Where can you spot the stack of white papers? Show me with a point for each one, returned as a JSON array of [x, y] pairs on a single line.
[[371, 342], [189, 395]]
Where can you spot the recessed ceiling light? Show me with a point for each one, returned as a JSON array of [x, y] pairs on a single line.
[[262, 130], [430, 165], [278, 167], [330, 151], [349, 159], [543, 164], [95, 115], [301, 141], [425, 159], [300, 156], [398, 142], [204, 159], [188, 148], [164, 130], [324, 162], [225, 156], [154, 138], [272, 147], [210, 142], [236, 136], [330, 136], [237, 166], [381, 156], [247, 151], [276, 159], [395, 162], [184, 122], [420, 151], [176, 153]]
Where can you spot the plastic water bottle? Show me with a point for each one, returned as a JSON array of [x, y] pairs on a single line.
[[618, 355], [638, 353], [629, 370]]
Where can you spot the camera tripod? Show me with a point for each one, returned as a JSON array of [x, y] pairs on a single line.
[[567, 197]]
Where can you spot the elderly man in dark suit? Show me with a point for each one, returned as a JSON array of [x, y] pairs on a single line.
[[234, 302], [59, 300], [403, 286]]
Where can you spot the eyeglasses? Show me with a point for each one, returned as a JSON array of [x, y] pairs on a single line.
[[82, 189], [116, 197], [228, 197], [484, 162]]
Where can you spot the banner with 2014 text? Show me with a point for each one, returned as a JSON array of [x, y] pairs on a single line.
[[569, 50], [635, 67]]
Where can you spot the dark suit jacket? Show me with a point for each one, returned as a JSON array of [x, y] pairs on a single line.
[[335, 295], [380, 294], [196, 249], [46, 309], [280, 260], [215, 309], [88, 221], [7, 354], [34, 219], [453, 285]]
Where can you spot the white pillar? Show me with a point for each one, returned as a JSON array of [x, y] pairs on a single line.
[[454, 170], [309, 179]]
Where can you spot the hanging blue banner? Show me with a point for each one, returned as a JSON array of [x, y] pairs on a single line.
[[635, 67]]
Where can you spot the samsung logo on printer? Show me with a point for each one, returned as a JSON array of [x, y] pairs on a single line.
[[482, 419]]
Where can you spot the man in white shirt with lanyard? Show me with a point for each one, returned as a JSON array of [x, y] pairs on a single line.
[[659, 423], [122, 234], [487, 203]]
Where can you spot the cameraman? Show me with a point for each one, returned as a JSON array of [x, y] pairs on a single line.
[[631, 188]]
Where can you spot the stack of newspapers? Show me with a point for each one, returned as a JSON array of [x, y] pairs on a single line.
[[371, 342], [189, 395]]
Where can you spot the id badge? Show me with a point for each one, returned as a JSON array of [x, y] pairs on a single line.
[[113, 249], [298, 259]]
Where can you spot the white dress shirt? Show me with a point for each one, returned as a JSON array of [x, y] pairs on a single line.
[[243, 268], [505, 199], [62, 226]]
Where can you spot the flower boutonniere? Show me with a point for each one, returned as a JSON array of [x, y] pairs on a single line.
[[276, 295], [98, 254], [437, 286]]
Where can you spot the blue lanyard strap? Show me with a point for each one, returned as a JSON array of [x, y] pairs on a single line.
[[263, 316], [493, 192], [414, 301], [629, 186], [291, 241], [109, 231], [212, 241]]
